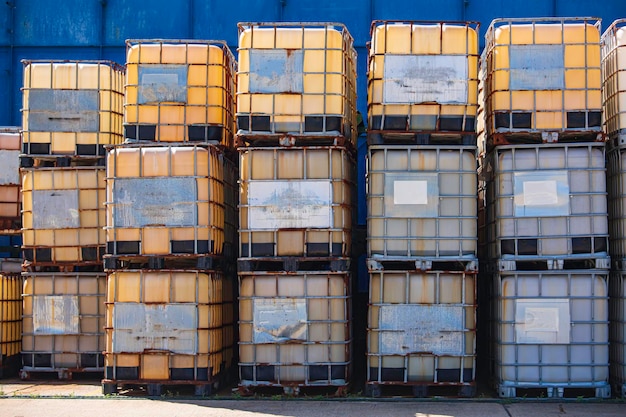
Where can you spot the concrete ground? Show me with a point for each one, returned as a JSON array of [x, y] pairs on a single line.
[[52, 398]]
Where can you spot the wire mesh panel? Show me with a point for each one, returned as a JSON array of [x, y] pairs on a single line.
[[614, 80], [71, 107], [296, 78], [164, 325], [422, 202], [63, 215], [294, 329], [422, 76], [63, 322], [10, 320], [296, 201], [551, 330], [180, 91], [617, 333], [10, 196], [543, 75], [547, 202], [422, 328]]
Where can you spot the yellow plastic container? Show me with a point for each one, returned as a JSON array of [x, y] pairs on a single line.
[[295, 201], [297, 78], [294, 328], [71, 107], [63, 215], [543, 75], [614, 80], [10, 319], [422, 76], [422, 202], [422, 327], [63, 322], [164, 325], [164, 200], [180, 91], [10, 197]]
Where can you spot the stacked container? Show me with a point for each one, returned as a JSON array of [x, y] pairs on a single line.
[[614, 101], [545, 207], [71, 110], [10, 262], [296, 133], [171, 221], [422, 213]]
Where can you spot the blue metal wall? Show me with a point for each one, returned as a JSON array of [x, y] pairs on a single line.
[[96, 29]]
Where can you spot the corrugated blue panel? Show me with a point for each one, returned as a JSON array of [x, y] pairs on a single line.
[[57, 23], [5, 23], [355, 15], [418, 9], [131, 19], [6, 88], [218, 19], [606, 10]]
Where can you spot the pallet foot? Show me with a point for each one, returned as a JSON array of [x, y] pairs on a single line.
[[109, 389]]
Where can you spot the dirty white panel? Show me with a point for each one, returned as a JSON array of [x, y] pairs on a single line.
[[10, 163], [56, 314], [276, 71], [537, 67], [411, 195], [141, 202], [410, 328], [55, 209], [290, 204], [278, 320], [162, 327], [542, 321], [51, 110], [541, 193], [425, 79], [162, 83]]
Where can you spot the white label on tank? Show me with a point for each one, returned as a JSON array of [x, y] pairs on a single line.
[[55, 209], [290, 204], [276, 71], [411, 79], [155, 327], [10, 163], [56, 314], [537, 67], [277, 320], [143, 202], [410, 328], [160, 83], [541, 193], [542, 321], [410, 192]]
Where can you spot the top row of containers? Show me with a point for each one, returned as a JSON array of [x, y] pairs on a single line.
[[296, 84]]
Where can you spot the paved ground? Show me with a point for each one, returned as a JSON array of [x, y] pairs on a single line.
[[53, 398]]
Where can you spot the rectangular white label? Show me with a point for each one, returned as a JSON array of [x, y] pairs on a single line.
[[276, 71], [159, 327], [410, 192], [537, 67], [540, 193], [277, 320], [410, 79], [410, 328], [290, 204], [56, 314], [542, 321], [55, 209]]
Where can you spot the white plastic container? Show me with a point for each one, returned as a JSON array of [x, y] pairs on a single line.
[[617, 333], [551, 331], [547, 201], [421, 202]]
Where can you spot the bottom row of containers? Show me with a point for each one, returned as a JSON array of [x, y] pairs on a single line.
[[549, 329]]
